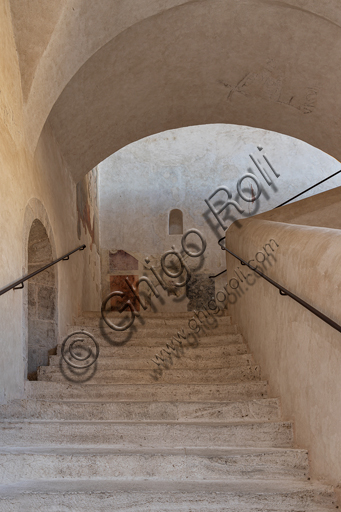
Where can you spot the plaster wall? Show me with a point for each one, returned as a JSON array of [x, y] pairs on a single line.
[[88, 226], [262, 63], [299, 354], [173, 63], [32, 186], [140, 185], [322, 210], [55, 39]]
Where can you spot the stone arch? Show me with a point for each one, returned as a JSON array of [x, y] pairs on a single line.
[[205, 62], [40, 326], [175, 226]]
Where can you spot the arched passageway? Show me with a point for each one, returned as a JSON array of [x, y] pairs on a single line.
[[42, 299]]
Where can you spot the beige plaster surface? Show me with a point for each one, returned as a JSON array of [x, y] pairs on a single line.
[[322, 210], [39, 187], [286, 49], [34, 23], [65, 34], [265, 64], [299, 354]]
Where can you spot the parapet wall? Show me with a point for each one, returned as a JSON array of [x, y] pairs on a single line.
[[300, 355]]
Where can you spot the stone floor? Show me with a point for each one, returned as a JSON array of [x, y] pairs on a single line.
[[197, 432]]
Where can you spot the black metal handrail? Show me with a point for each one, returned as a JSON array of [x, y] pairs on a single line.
[[15, 285], [284, 291], [217, 275], [286, 202]]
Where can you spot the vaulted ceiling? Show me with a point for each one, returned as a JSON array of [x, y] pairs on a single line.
[[107, 73]]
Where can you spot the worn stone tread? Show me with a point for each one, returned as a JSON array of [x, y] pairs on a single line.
[[146, 433], [159, 337], [147, 392], [78, 462], [179, 359], [164, 496], [169, 375], [246, 410]]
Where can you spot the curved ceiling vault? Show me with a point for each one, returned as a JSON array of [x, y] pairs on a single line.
[[261, 63], [55, 38]]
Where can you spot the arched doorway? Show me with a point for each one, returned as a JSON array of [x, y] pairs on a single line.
[[42, 300]]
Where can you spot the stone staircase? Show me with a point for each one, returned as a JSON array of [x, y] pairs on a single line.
[[196, 434]]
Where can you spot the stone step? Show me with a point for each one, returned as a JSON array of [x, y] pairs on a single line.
[[156, 314], [149, 315], [248, 410], [106, 337], [147, 392], [155, 320], [176, 322], [161, 331], [168, 375], [239, 495], [178, 359], [194, 464], [157, 435], [190, 352]]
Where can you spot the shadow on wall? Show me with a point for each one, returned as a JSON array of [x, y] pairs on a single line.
[[87, 207]]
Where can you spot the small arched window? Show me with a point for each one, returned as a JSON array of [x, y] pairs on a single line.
[[175, 222]]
